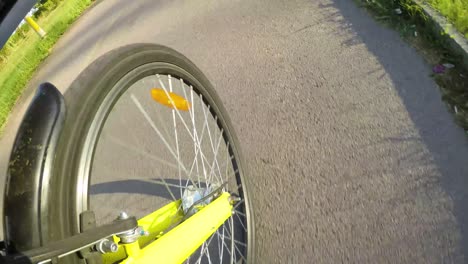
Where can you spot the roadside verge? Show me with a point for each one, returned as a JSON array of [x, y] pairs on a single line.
[[437, 40], [458, 44], [25, 55]]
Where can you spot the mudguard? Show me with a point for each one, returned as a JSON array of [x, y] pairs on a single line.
[[30, 169]]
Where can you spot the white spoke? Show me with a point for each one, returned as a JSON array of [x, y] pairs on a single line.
[[195, 159], [240, 221], [240, 254], [165, 183], [237, 204], [227, 160], [196, 139], [148, 118], [215, 152], [208, 253], [239, 212], [201, 253], [230, 250], [233, 255], [197, 142], [236, 247], [194, 136], [204, 249], [194, 129], [212, 171], [173, 105], [215, 160], [175, 136], [207, 249], [209, 132], [222, 241], [194, 162], [221, 248], [237, 241], [233, 241], [158, 115], [203, 157], [205, 168]]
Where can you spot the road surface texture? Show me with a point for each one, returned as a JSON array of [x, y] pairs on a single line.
[[352, 155]]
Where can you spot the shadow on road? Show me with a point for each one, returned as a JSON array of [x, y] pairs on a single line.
[[104, 24], [163, 188], [444, 140]]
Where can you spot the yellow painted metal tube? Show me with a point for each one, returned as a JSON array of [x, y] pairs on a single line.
[[159, 221], [35, 26], [182, 241], [155, 223]]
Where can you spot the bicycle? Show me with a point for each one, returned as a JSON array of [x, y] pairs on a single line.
[[48, 218]]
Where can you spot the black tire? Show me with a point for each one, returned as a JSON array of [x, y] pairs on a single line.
[[86, 94]]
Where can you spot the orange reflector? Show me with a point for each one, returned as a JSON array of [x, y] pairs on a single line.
[[160, 96]]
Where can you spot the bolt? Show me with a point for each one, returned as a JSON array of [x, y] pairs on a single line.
[[123, 216], [234, 199], [113, 247], [106, 245]]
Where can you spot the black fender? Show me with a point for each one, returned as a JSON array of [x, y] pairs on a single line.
[[30, 168]]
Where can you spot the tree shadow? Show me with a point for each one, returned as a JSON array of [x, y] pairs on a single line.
[[104, 24], [152, 187], [445, 141]]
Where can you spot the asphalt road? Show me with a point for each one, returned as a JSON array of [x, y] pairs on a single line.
[[352, 155]]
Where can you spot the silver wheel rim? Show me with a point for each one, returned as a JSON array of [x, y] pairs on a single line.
[[198, 171]]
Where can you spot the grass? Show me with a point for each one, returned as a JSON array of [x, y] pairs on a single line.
[[418, 31], [23, 53], [455, 10]]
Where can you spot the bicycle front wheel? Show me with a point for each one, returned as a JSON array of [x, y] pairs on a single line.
[[143, 126]]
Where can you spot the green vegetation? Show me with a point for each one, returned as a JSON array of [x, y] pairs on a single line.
[[45, 7], [455, 10], [408, 19], [25, 50]]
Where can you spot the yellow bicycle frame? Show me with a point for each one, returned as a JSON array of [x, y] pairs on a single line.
[[179, 243]]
